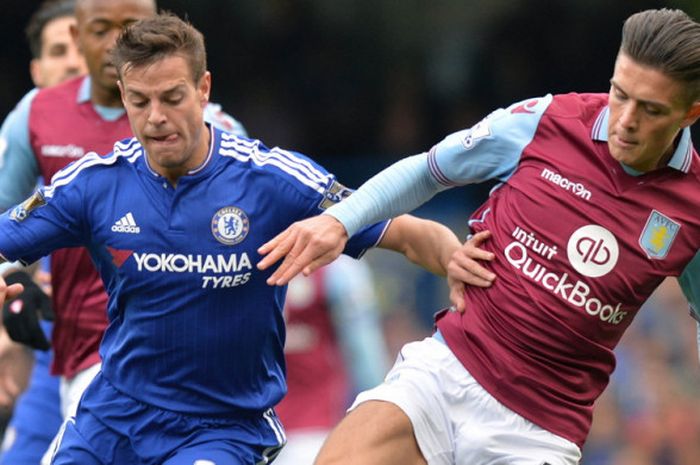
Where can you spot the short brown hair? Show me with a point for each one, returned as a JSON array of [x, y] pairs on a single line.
[[152, 39], [667, 40], [48, 11]]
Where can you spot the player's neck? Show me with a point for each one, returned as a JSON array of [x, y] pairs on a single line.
[[194, 163], [105, 97]]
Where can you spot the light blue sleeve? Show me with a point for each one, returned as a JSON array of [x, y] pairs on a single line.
[[219, 118], [489, 150], [355, 313], [19, 170]]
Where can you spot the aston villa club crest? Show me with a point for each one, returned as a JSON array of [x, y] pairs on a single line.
[[230, 225], [658, 235]]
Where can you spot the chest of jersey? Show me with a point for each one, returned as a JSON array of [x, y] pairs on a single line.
[[576, 229], [61, 130], [200, 234]]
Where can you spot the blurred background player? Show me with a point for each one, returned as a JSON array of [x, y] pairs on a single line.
[[37, 142], [36, 416], [335, 348]]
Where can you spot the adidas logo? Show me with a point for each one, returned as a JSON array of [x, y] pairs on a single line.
[[126, 225]]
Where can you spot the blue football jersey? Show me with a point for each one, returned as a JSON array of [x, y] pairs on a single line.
[[193, 327]]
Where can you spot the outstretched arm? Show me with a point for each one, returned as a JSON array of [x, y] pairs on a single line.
[[309, 244], [314, 242], [424, 242]]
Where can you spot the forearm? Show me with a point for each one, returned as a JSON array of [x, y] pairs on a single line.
[[398, 189], [424, 242]]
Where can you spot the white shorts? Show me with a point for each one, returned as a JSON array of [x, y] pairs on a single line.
[[302, 447], [70, 391], [456, 422]]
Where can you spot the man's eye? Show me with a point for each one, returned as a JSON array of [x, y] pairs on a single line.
[[58, 50]]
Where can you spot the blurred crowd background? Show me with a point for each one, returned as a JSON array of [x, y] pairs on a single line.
[[358, 84]]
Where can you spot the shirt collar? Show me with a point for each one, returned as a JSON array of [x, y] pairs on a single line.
[[84, 91], [106, 113], [681, 157], [207, 161]]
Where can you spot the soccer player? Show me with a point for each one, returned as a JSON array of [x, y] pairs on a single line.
[[55, 56], [36, 415], [335, 348], [51, 128], [192, 359], [598, 204]]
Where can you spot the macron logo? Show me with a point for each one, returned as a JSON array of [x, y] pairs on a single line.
[[126, 224], [576, 188]]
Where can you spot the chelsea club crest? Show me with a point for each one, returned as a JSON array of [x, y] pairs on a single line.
[[230, 225]]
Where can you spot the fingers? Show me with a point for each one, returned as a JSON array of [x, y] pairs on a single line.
[[467, 270], [319, 262], [13, 290], [296, 260], [305, 246], [472, 247], [465, 263], [9, 391], [274, 249], [305, 257], [457, 295], [9, 292]]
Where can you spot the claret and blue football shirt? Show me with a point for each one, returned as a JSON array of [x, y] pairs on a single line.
[[580, 242]]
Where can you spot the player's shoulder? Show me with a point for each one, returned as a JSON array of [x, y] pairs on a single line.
[[63, 93], [577, 105], [276, 164], [124, 154]]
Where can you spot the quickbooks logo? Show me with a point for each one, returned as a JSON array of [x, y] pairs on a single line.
[[593, 252], [126, 224]]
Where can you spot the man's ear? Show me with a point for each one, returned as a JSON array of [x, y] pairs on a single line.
[[692, 116], [35, 72], [204, 88], [121, 91], [74, 35]]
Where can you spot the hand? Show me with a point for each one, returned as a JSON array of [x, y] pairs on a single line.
[[21, 315], [305, 245], [9, 291], [464, 269], [16, 362]]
